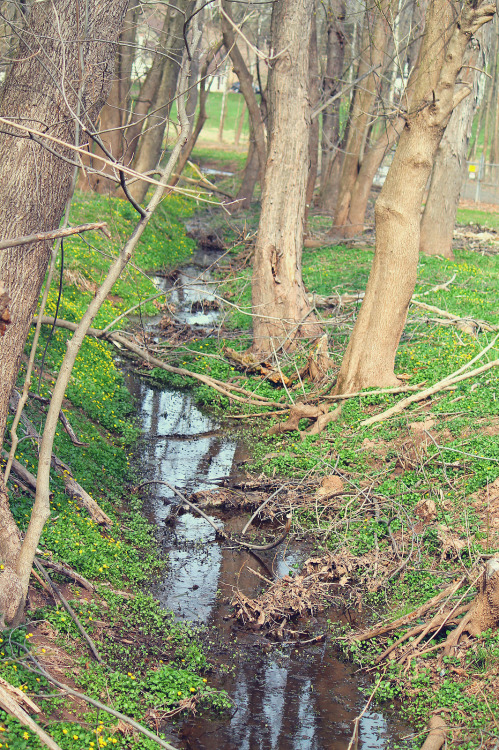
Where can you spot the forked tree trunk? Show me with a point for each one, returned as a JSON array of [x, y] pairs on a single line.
[[374, 157], [187, 149], [280, 305], [370, 355], [34, 96], [335, 53], [439, 217], [374, 43], [257, 128]]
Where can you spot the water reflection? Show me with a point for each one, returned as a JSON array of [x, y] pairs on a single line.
[[288, 699]]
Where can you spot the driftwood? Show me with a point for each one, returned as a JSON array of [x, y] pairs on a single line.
[[9, 704]]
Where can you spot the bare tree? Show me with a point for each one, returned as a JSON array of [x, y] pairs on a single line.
[[257, 151], [370, 355], [439, 217], [330, 155], [373, 60], [64, 66], [280, 306]]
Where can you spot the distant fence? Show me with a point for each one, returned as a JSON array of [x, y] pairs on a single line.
[[481, 183]]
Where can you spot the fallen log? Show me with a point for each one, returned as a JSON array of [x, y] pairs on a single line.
[[74, 490]]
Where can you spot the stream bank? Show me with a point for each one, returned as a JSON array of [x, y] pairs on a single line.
[[286, 696]]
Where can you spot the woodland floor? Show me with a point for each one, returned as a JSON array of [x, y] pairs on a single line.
[[397, 510]]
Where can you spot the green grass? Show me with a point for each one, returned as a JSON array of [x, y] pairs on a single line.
[[234, 103], [167, 662], [485, 219]]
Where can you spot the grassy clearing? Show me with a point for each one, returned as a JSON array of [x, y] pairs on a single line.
[[149, 660]]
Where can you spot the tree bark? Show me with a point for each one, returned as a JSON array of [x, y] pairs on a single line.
[[374, 43], [114, 114], [370, 355], [35, 184], [439, 217], [257, 128], [150, 145], [335, 53], [279, 302], [313, 145], [202, 114]]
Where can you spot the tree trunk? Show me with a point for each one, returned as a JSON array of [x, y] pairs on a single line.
[[439, 217], [33, 96], [370, 355], [279, 302], [147, 96], [150, 145], [114, 114], [186, 152], [375, 155], [374, 42], [335, 53], [313, 145], [249, 179], [257, 128]]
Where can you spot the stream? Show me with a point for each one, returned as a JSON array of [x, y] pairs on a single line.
[[286, 696]]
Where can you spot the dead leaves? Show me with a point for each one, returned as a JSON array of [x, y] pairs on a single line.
[[291, 596]]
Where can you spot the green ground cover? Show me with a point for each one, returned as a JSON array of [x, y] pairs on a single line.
[[149, 660], [462, 460], [452, 469]]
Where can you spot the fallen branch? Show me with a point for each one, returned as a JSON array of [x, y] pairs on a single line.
[[64, 421], [454, 318], [320, 415], [414, 615], [53, 235], [445, 383], [58, 595], [65, 570], [10, 705], [74, 490], [19, 696], [220, 532], [101, 706], [226, 389]]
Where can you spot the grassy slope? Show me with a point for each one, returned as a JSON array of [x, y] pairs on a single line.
[[150, 661]]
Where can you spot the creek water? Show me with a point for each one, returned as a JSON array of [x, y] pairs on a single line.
[[286, 696]]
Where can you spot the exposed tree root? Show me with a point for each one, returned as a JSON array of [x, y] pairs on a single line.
[[320, 416], [437, 734]]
